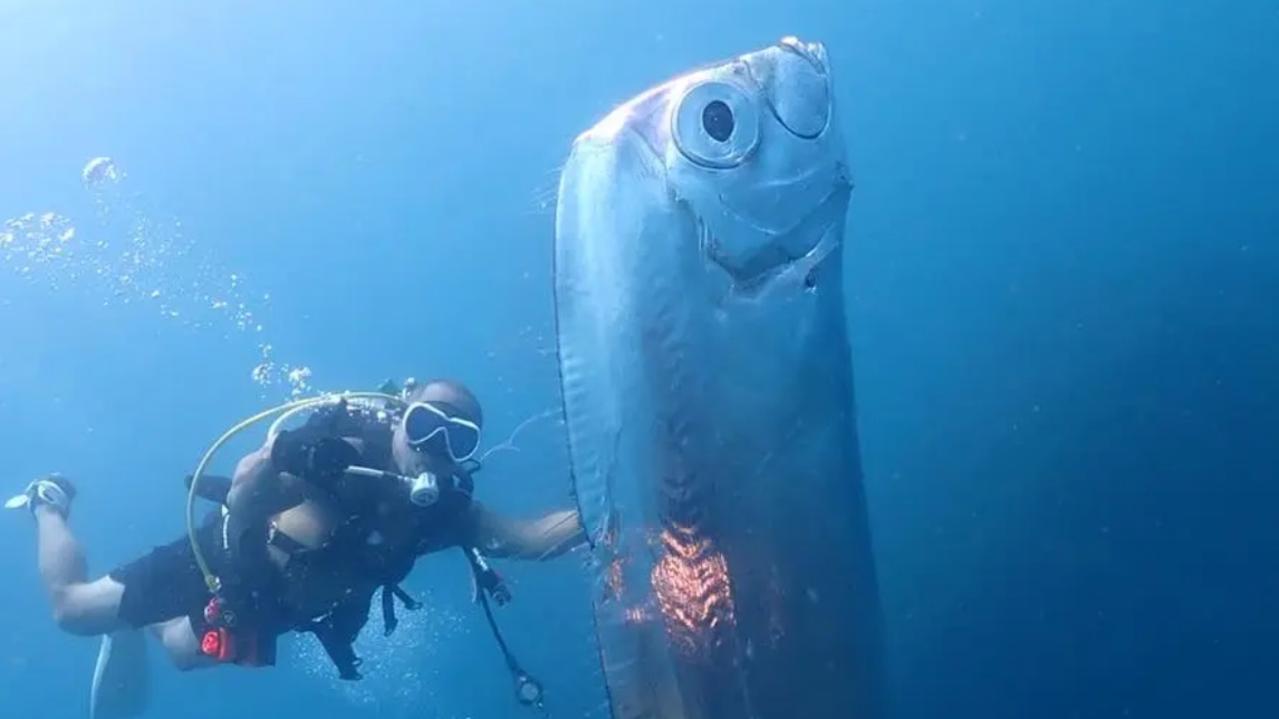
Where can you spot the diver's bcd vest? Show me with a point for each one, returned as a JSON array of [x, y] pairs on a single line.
[[253, 586]]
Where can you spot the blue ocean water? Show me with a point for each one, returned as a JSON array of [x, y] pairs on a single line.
[[1063, 274]]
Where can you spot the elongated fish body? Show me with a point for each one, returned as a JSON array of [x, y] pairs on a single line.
[[707, 387]]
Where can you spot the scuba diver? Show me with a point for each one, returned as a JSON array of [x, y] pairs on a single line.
[[308, 529]]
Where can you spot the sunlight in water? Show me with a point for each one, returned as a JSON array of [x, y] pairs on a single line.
[[692, 588]]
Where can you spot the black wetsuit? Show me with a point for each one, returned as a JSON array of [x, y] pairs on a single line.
[[166, 583]]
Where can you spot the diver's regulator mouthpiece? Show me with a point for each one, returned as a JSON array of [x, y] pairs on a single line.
[[424, 489]]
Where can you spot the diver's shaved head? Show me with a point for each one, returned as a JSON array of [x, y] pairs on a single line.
[[455, 394]]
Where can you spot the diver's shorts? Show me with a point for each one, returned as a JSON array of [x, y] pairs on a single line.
[[166, 583]]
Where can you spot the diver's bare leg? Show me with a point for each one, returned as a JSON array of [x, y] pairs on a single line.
[[79, 606], [121, 682], [180, 641], [60, 557]]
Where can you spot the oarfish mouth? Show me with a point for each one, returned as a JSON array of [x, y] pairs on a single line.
[[781, 249]]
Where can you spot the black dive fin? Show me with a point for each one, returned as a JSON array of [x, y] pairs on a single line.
[[213, 487]]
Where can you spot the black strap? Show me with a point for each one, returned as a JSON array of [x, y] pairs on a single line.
[[339, 649], [512, 664], [465, 476], [409, 602], [389, 620], [391, 592], [214, 488], [337, 630], [285, 543], [528, 691]]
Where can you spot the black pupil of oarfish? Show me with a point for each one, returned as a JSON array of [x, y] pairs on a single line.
[[717, 118]]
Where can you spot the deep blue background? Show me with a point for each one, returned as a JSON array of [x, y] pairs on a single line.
[[1064, 267]]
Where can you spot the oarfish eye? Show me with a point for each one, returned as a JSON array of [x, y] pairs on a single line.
[[716, 124], [717, 120]]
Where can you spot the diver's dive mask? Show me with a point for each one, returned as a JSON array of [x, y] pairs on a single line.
[[431, 426]]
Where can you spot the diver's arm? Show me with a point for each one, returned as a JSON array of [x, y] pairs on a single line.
[[538, 539], [288, 468]]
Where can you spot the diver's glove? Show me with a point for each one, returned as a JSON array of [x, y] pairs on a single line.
[[318, 459], [52, 490]]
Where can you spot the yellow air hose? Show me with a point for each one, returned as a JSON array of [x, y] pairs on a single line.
[[211, 579]]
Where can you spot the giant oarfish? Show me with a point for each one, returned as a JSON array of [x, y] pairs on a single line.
[[707, 386]]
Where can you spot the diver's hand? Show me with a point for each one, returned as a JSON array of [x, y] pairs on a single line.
[[325, 458], [331, 456]]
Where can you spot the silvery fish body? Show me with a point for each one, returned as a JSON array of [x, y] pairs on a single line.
[[707, 387]]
